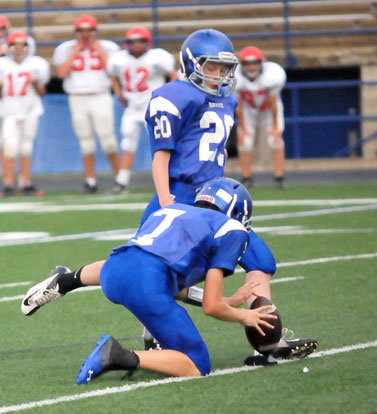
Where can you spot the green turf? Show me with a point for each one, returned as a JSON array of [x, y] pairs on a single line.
[[335, 302]]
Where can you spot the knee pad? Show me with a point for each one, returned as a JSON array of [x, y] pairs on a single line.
[[87, 145], [129, 144], [275, 144], [248, 143], [26, 146], [109, 144], [10, 148]]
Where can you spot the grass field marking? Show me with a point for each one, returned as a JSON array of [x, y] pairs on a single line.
[[15, 284], [314, 202], [91, 288], [320, 260], [170, 380], [65, 237], [312, 213], [50, 207], [328, 259]]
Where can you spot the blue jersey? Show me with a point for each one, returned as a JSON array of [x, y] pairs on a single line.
[[190, 240], [194, 126]]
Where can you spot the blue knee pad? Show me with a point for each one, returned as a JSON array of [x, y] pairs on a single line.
[[258, 256]]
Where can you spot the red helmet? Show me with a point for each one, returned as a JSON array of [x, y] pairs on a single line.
[[251, 54], [16, 37], [4, 22], [139, 32], [86, 21]]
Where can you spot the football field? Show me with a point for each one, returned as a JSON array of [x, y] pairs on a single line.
[[324, 238]]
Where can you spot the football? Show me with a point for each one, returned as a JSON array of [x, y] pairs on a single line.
[[265, 344]]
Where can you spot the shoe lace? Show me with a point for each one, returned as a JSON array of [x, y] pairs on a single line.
[[44, 296], [287, 333]]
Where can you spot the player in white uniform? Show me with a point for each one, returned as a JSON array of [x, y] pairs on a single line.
[[135, 72], [81, 62], [4, 31], [22, 79], [260, 111]]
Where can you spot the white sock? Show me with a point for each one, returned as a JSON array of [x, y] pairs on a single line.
[[123, 177], [91, 181]]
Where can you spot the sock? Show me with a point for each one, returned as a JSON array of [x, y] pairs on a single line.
[[70, 281], [91, 181], [121, 358], [123, 177]]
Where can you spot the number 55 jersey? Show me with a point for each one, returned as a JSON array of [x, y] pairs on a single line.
[[194, 126]]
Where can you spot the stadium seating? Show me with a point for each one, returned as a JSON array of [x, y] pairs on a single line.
[[352, 25]]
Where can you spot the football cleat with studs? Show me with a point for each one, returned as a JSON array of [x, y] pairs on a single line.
[[44, 292], [293, 349], [104, 358]]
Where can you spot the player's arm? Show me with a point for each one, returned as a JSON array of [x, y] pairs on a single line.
[[214, 304], [117, 88], [273, 99], [241, 126], [160, 174], [66, 66]]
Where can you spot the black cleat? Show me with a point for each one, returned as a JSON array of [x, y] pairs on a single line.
[[89, 189], [293, 349]]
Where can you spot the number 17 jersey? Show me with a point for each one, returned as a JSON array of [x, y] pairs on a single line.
[[194, 126]]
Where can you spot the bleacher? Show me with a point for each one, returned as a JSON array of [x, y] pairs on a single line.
[[321, 33]]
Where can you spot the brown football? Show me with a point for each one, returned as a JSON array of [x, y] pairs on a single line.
[[265, 344]]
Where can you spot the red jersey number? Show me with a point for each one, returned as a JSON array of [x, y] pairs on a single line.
[[141, 82], [24, 77], [260, 101], [95, 62]]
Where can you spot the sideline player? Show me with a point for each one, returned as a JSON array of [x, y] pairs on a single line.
[[81, 62], [5, 27], [22, 78], [169, 253], [260, 112], [135, 72]]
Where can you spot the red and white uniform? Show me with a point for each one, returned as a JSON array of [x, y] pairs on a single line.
[[138, 77], [256, 109], [21, 104], [90, 101], [87, 75]]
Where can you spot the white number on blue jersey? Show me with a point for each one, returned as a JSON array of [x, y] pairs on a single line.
[[216, 137], [170, 216], [162, 127]]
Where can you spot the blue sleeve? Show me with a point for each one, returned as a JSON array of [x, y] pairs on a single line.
[[228, 250], [167, 113], [258, 256]]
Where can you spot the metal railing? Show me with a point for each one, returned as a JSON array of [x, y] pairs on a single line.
[[287, 34]]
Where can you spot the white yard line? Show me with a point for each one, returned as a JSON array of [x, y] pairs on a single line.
[[239, 270], [319, 260], [15, 284], [166, 381], [19, 297], [312, 213], [130, 232], [90, 288], [50, 207]]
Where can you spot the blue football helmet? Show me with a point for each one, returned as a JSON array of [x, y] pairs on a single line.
[[228, 196], [205, 46]]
